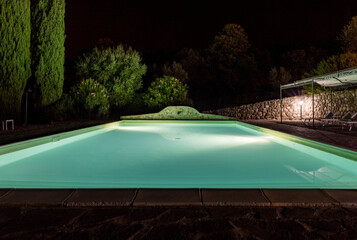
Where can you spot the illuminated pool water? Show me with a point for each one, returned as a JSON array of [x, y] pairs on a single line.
[[176, 154]]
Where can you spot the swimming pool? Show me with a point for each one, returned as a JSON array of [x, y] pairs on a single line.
[[176, 154]]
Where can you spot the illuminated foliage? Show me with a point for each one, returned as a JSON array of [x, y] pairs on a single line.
[[334, 63], [166, 91], [348, 36], [91, 98], [48, 53], [15, 62], [118, 70]]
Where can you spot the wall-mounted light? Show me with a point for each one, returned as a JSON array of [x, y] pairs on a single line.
[[300, 103]]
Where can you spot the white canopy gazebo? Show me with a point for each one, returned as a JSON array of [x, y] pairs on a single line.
[[343, 78]]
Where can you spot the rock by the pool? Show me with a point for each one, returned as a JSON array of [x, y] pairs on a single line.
[[177, 113]]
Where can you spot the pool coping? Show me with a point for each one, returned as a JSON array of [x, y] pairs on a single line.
[[7, 148], [179, 197], [342, 152]]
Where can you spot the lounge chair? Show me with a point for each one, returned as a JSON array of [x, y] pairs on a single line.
[[334, 119], [349, 122], [327, 116]]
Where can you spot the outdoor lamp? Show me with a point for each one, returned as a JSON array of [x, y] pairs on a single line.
[[27, 96], [300, 103]]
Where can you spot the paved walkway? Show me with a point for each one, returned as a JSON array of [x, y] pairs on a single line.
[[170, 223]]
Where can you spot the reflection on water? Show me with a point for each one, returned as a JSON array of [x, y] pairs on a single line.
[[323, 176]]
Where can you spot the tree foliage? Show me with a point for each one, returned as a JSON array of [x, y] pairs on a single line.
[[348, 36], [231, 63], [15, 62], [195, 64], [91, 98], [230, 47], [166, 91], [48, 53], [279, 77], [334, 63], [191, 60], [175, 70], [300, 61], [118, 70]]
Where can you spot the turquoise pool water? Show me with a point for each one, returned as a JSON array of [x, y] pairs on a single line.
[[175, 154]]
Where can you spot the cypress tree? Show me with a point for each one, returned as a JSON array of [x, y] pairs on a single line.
[[47, 39], [15, 35]]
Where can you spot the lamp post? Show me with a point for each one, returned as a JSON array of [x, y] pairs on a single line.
[[27, 96], [300, 103]]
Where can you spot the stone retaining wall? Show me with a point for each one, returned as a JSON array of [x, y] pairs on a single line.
[[342, 102]]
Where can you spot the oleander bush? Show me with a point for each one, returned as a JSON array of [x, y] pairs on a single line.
[[90, 99], [166, 91], [120, 71]]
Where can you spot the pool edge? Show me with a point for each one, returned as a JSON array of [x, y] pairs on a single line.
[[339, 151], [16, 146]]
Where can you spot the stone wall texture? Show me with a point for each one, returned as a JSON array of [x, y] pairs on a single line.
[[342, 102]]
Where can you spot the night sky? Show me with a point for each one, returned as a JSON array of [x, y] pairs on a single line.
[[166, 26]]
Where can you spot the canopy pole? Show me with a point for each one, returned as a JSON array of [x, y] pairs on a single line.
[[281, 105], [313, 109]]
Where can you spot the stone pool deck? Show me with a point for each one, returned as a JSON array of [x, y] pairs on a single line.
[[186, 213], [171, 223], [179, 197]]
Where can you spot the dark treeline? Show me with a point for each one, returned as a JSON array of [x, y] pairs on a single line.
[[229, 72], [112, 79]]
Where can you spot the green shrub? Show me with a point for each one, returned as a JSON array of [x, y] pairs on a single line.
[[15, 38], [118, 70], [91, 98], [166, 91], [47, 50], [64, 108]]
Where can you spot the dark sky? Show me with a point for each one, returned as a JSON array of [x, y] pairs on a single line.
[[151, 26]]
